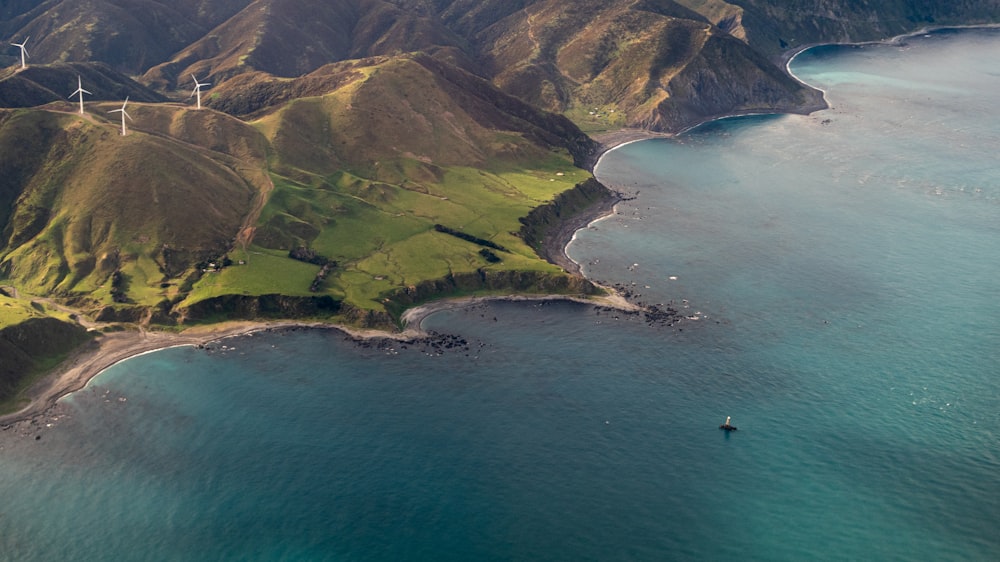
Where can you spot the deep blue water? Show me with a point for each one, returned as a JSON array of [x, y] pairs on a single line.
[[840, 272]]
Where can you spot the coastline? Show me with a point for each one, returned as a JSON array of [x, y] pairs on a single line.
[[109, 349], [787, 56]]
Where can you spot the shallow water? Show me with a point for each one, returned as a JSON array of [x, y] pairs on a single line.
[[840, 274]]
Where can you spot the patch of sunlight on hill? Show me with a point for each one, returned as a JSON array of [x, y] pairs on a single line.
[[14, 311], [144, 279], [265, 272], [426, 256], [597, 118]]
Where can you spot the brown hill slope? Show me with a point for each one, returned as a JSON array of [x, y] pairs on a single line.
[[41, 84], [86, 202], [394, 105], [650, 64], [557, 55], [291, 38], [561, 56], [130, 35], [658, 63]]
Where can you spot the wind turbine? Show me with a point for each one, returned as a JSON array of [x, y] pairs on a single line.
[[124, 115], [81, 91], [197, 89], [24, 52]]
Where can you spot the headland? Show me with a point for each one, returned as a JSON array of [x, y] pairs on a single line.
[[110, 348]]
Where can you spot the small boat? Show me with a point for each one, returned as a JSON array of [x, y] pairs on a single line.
[[727, 426]]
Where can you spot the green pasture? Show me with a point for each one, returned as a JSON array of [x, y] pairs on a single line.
[[382, 235], [264, 272]]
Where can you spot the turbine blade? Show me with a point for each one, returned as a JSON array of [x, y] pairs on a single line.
[[85, 91], [125, 113]]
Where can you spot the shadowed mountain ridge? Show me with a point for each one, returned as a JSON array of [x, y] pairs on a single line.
[[646, 59], [41, 84]]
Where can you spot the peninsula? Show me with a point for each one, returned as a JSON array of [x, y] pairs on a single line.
[[215, 181]]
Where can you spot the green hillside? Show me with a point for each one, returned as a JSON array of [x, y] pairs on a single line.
[[33, 339], [363, 174], [193, 207], [87, 203]]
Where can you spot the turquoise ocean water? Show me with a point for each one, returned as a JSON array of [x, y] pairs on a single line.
[[841, 275]]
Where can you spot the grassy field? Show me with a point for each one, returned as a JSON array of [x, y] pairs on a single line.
[[263, 272], [382, 235], [597, 119]]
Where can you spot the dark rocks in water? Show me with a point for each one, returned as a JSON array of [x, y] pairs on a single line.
[[653, 314], [433, 343], [656, 315]]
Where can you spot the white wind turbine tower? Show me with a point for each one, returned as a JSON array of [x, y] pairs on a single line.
[[24, 52], [124, 115], [197, 89], [81, 91]]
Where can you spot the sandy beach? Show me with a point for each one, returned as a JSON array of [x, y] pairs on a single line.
[[108, 349]]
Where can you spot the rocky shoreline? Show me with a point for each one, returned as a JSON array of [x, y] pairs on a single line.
[[109, 349]]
